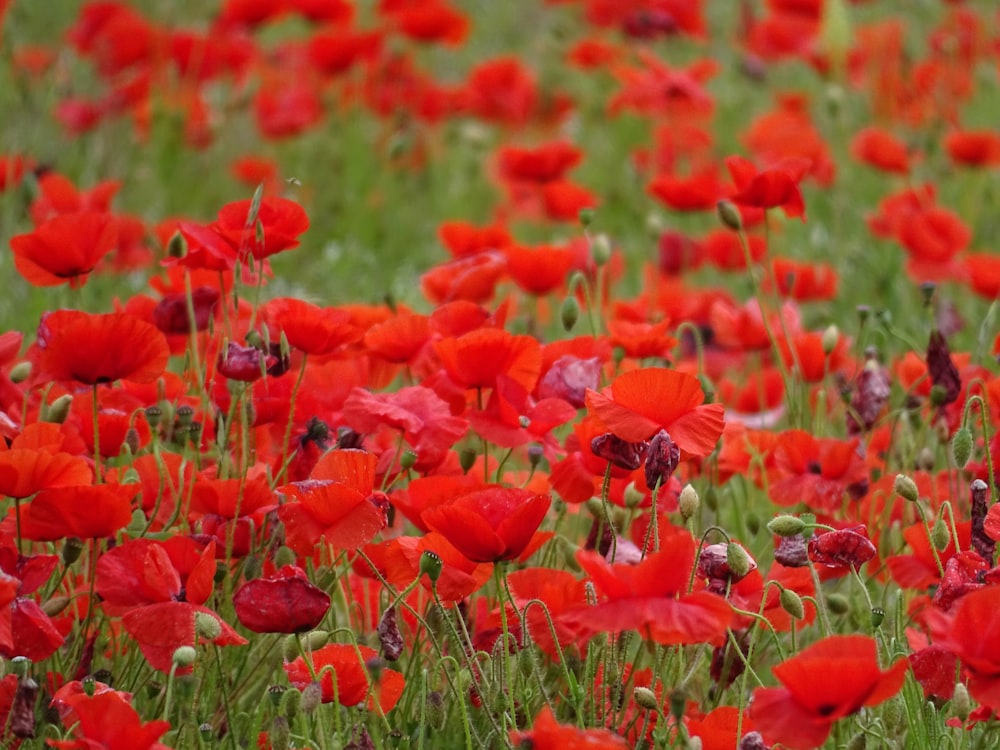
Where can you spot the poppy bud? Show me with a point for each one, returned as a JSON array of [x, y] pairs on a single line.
[[600, 249], [739, 561], [291, 702], [72, 548], [283, 556], [466, 459], [431, 565], [830, 338], [137, 524], [729, 215], [184, 656], [177, 246], [55, 605], [408, 460], [838, 604], [312, 696], [645, 698], [925, 459], [21, 720], [809, 519], [688, 502], [206, 626], [961, 706], [961, 446], [131, 442], [678, 703], [586, 217], [712, 499], [434, 711], [389, 635], [20, 372], [280, 735], [792, 604], [58, 410], [752, 741], [662, 458], [906, 488], [786, 525], [939, 395], [753, 523], [569, 312], [633, 496], [939, 535]]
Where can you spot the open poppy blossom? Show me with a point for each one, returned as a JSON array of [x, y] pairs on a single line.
[[548, 734], [640, 403], [92, 349], [64, 249], [85, 511], [776, 187], [161, 628], [970, 632], [346, 678], [801, 714], [277, 225], [106, 720]]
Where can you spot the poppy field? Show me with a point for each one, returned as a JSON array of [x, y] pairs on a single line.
[[543, 374]]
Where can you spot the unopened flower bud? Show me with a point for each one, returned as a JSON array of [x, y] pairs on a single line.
[[184, 656], [408, 460], [131, 443], [600, 249], [786, 525], [431, 565], [535, 454], [633, 496], [291, 702], [586, 217], [284, 556], [58, 410], [961, 706], [207, 626], [838, 604], [830, 338], [739, 561], [678, 704], [961, 446], [906, 488], [645, 698], [55, 605], [791, 602], [729, 215], [312, 696], [569, 312], [435, 711], [20, 372], [466, 459], [688, 502], [939, 535], [280, 736]]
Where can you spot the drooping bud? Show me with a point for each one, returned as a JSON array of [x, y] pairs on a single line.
[[961, 446], [206, 626], [646, 699], [662, 458], [939, 535], [569, 312], [280, 735], [688, 502], [786, 525], [906, 488], [791, 602], [838, 604], [408, 460], [729, 215], [739, 561], [58, 410], [20, 372], [466, 459], [830, 338], [600, 249], [184, 656], [961, 705]]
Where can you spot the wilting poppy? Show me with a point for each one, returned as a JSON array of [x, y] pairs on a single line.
[[286, 602], [640, 403], [344, 676], [490, 525], [801, 714], [66, 248], [94, 349]]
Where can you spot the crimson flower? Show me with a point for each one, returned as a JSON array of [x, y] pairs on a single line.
[[66, 248], [777, 187], [348, 665], [801, 714], [490, 525], [651, 598], [283, 603], [161, 628], [971, 631], [816, 471], [640, 403], [107, 721], [548, 734], [85, 511], [92, 349]]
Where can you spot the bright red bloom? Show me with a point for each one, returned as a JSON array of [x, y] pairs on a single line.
[[804, 281], [94, 349], [462, 238], [545, 163], [538, 270], [459, 578], [469, 277], [430, 21], [816, 472], [502, 91], [777, 187], [651, 597], [141, 572], [881, 150], [972, 632], [286, 107], [23, 471], [310, 328], [490, 525], [66, 248], [801, 714], [548, 734], [341, 661], [973, 148], [286, 602], [275, 227], [698, 191], [108, 722], [162, 628], [87, 511], [478, 358], [640, 403]]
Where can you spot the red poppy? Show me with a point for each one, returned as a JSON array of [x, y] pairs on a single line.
[[881, 150], [344, 676], [86, 511], [309, 328], [460, 577], [502, 90], [776, 187], [933, 234], [548, 734], [430, 21], [651, 598], [982, 272], [94, 349], [25, 471], [107, 721], [723, 249], [970, 631], [545, 163], [469, 277], [476, 359], [230, 510], [640, 403], [58, 195], [66, 248], [286, 107], [286, 602], [161, 628], [919, 569], [490, 525], [973, 148], [699, 191], [400, 339], [462, 238], [563, 200], [787, 136], [804, 281], [816, 471], [801, 714], [275, 226]]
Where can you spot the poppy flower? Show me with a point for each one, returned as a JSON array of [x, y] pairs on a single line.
[[469, 277], [106, 720], [476, 359], [462, 238], [503, 91], [24, 471], [651, 597], [431, 21], [538, 270], [66, 248], [275, 227], [244, 363], [776, 187], [698, 191], [284, 108], [85, 511], [310, 328], [804, 281], [460, 577], [933, 235], [344, 676], [973, 148], [801, 714], [881, 150], [816, 471], [970, 631], [548, 734], [94, 349], [161, 628], [542, 164], [490, 525], [640, 403], [286, 602]]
